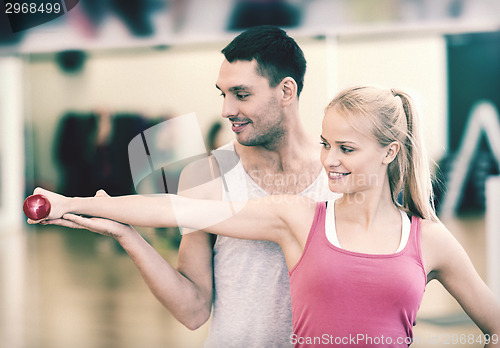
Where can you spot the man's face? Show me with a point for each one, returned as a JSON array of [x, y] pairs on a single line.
[[250, 104]]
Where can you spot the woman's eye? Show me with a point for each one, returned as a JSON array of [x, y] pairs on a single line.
[[325, 145], [346, 149]]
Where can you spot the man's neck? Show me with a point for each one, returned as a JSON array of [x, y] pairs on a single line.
[[292, 149], [288, 168]]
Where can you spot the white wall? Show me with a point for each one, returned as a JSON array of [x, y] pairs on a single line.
[[413, 63], [12, 243], [182, 79], [153, 83], [11, 143]]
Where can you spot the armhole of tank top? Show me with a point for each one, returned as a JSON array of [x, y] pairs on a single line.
[[416, 224], [224, 188], [330, 230], [405, 231], [213, 239]]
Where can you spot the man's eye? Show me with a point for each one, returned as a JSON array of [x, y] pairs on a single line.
[[242, 96]]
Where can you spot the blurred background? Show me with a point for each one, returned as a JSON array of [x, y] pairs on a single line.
[[75, 90]]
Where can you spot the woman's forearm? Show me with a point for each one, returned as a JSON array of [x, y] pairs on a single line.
[[160, 210], [140, 210]]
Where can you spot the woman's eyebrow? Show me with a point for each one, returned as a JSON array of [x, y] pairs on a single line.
[[345, 142], [340, 142]]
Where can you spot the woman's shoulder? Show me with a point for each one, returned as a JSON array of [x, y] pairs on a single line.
[[439, 245], [433, 227], [435, 233], [299, 214]]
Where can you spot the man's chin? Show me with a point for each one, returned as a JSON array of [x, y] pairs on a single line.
[[245, 141]]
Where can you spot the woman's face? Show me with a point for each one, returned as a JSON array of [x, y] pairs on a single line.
[[353, 160]]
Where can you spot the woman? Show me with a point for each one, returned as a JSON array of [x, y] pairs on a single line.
[[359, 265]]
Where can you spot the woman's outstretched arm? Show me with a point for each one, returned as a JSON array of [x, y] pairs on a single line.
[[267, 218], [451, 266]]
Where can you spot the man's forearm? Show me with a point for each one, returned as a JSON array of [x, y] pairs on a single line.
[[182, 297]]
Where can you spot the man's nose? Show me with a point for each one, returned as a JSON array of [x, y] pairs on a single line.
[[229, 108]]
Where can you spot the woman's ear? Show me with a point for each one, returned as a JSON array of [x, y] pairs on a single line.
[[391, 152], [289, 90]]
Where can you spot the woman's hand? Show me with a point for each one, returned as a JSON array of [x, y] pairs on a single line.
[[102, 226], [59, 205]]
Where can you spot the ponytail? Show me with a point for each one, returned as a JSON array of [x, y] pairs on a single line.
[[416, 181]]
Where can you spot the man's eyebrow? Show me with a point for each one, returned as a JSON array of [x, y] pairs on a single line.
[[234, 88], [238, 88]]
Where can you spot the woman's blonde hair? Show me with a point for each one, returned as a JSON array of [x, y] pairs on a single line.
[[391, 116]]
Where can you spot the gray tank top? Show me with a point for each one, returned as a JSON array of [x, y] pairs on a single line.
[[252, 306]]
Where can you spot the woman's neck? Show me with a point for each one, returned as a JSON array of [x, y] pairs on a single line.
[[366, 208]]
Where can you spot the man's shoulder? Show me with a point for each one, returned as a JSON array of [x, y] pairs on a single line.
[[227, 157], [230, 146], [200, 179]]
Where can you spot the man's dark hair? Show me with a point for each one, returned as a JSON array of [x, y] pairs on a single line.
[[277, 55]]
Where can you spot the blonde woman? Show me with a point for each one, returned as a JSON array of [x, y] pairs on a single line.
[[359, 265]]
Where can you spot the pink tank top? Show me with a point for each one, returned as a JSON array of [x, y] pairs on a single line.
[[344, 298]]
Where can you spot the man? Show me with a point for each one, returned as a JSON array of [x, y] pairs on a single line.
[[245, 282]]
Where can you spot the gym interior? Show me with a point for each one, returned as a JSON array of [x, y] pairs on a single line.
[[74, 92]]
